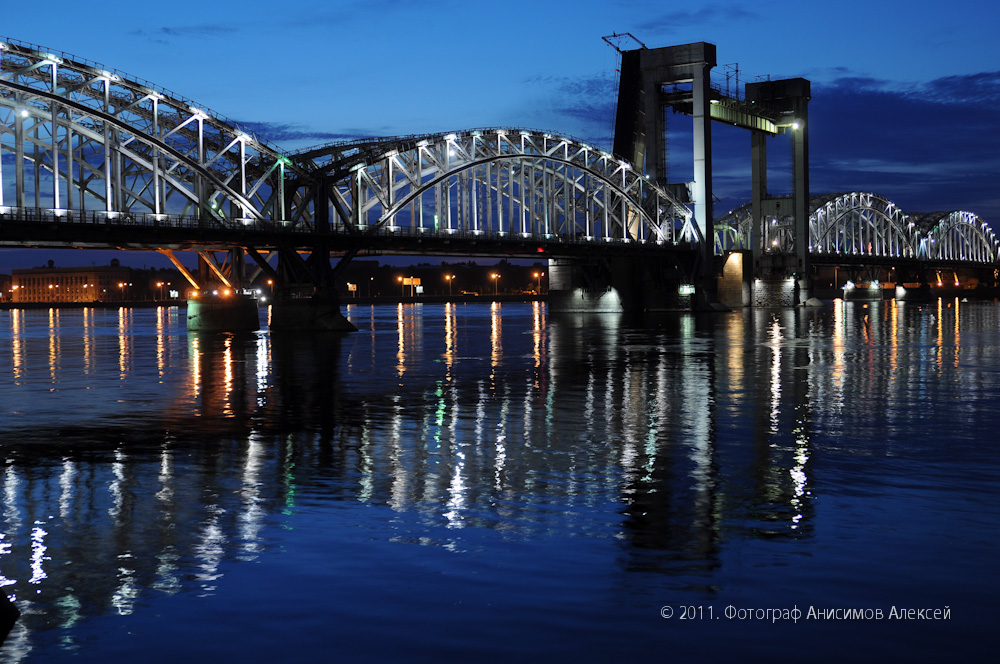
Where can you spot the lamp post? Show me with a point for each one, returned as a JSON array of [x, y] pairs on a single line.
[[449, 278], [402, 288], [538, 278], [496, 286]]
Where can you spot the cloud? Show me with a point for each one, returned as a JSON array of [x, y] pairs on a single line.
[[163, 34], [932, 145], [581, 106], [278, 132], [981, 88], [687, 18], [929, 146]]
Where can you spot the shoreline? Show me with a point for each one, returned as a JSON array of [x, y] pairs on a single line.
[[350, 301]]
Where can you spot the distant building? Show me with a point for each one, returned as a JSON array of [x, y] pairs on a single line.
[[71, 284]]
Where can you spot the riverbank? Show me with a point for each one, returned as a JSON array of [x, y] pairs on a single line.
[[347, 301]]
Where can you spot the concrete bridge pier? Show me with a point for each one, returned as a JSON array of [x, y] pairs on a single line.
[[624, 285], [738, 286], [318, 312], [212, 313]]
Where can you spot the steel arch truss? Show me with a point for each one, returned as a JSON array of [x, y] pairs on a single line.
[[857, 225], [860, 223], [497, 183], [960, 236], [80, 140], [734, 232]]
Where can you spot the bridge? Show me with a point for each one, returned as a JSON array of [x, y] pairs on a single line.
[[871, 239], [91, 157]]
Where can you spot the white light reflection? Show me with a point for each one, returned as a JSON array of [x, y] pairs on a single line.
[[251, 519], [210, 550], [775, 346], [167, 578], [227, 368], [457, 491], [401, 346], [10, 486], [397, 457], [839, 375], [66, 484], [799, 478], [538, 331], [124, 342], [263, 367], [939, 346], [54, 346], [161, 347], [128, 587], [38, 556], [195, 373], [500, 455], [117, 495], [89, 356], [957, 335], [450, 338], [496, 345], [17, 344]]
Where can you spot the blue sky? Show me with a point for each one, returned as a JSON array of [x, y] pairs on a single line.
[[903, 100]]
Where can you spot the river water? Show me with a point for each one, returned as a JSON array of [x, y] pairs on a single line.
[[495, 483]]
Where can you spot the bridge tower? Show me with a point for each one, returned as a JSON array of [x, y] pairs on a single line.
[[678, 78], [785, 103], [653, 80]]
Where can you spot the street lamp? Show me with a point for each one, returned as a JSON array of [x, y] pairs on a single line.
[[496, 286], [538, 278], [402, 288], [449, 278]]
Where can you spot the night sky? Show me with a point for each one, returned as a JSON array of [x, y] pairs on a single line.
[[903, 100]]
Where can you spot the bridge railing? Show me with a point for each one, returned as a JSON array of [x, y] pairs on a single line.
[[149, 220], [139, 219]]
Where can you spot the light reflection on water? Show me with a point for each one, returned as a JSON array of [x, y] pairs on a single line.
[[495, 470]]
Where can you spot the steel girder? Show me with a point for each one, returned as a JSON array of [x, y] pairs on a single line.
[[863, 224], [494, 183], [75, 137]]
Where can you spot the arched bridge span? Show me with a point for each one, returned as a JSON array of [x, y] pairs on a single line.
[[857, 227], [94, 158]]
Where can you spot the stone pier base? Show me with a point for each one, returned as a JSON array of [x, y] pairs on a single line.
[[315, 313], [223, 314]]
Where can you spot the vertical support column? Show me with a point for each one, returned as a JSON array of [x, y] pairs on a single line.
[[1, 168], [157, 196], [56, 202], [474, 200], [800, 195], [758, 175], [702, 189], [69, 160], [19, 157], [282, 210], [653, 130], [106, 139], [199, 187]]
